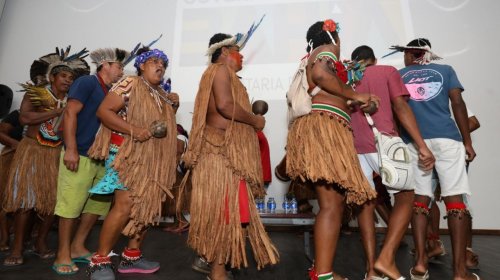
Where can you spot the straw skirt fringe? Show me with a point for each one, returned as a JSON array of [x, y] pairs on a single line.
[[5, 162], [212, 234], [320, 148], [147, 169], [32, 180]]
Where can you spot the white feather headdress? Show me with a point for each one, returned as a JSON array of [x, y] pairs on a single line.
[[239, 40], [100, 56]]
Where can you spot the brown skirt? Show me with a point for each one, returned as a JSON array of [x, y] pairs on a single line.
[[184, 197], [32, 179], [216, 231], [6, 157], [320, 149]]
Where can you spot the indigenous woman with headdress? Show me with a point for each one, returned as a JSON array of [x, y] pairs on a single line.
[[32, 180], [320, 147], [138, 139]]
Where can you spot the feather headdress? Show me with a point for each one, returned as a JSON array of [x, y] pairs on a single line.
[[239, 40], [44, 66], [428, 56], [133, 53], [100, 56]]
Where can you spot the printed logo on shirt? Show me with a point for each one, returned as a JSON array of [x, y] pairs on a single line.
[[423, 84]]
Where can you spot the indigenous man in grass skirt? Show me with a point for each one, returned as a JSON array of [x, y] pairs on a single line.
[[224, 157], [32, 179], [320, 148], [140, 161]]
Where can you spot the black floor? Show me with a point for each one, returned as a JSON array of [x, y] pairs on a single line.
[[176, 259]]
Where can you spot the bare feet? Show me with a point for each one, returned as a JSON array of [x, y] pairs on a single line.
[[471, 259], [435, 248]]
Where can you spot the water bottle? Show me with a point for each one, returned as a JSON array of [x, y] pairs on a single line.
[[260, 205], [293, 206], [271, 205], [286, 205]]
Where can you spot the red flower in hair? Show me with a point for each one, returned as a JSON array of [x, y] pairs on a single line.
[[329, 25]]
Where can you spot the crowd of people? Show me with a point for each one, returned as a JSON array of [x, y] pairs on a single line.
[[83, 146]]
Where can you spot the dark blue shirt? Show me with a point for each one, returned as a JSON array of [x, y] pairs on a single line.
[[89, 92]]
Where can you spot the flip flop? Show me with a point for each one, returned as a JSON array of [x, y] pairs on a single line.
[[49, 254], [4, 248], [82, 259], [424, 276], [55, 268], [15, 261]]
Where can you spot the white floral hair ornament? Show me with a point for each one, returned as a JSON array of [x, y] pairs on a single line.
[[239, 40]]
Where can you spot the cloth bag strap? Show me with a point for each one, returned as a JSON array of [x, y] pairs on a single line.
[[376, 134]]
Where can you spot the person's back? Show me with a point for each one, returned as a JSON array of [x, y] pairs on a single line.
[[385, 83], [324, 96], [382, 81], [429, 87], [433, 88]]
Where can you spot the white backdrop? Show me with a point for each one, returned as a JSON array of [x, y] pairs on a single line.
[[464, 32]]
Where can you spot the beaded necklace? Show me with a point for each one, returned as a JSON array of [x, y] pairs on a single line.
[[157, 95]]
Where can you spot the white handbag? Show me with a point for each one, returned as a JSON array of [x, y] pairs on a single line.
[[394, 160]]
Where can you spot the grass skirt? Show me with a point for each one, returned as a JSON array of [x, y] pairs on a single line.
[[5, 160], [32, 180], [320, 148], [214, 188]]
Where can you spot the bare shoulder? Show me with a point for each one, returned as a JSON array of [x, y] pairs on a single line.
[[221, 72], [326, 48]]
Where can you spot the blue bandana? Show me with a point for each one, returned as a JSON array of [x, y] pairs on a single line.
[[140, 59]]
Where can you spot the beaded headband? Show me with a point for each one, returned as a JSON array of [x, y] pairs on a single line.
[[142, 58]]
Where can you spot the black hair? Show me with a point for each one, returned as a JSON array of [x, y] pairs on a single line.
[[6, 95], [419, 42], [120, 54], [219, 37], [318, 36], [139, 52], [363, 53]]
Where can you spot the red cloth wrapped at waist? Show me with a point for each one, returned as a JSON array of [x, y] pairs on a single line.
[[117, 139], [244, 205]]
